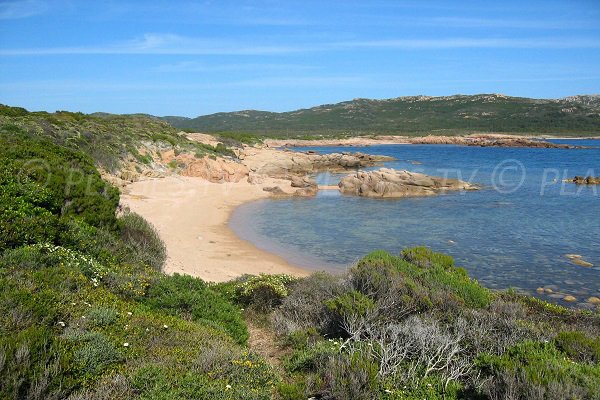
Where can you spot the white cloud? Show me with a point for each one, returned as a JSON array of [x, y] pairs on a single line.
[[171, 44], [450, 43], [195, 66], [152, 43], [22, 8]]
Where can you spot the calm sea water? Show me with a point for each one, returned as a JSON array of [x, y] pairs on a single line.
[[514, 232]]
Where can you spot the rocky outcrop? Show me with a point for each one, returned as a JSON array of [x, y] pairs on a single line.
[[277, 163], [216, 170], [489, 141], [590, 180], [390, 183]]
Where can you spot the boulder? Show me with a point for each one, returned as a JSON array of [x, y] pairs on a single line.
[[390, 183], [215, 170]]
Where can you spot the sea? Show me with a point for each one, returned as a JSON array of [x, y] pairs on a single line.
[[520, 230]]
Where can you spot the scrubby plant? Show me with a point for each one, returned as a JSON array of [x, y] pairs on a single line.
[[142, 241], [304, 308], [192, 299], [535, 370], [102, 316], [424, 257], [578, 346], [264, 291], [93, 351]]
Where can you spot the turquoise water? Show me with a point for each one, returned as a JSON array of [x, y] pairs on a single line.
[[514, 232]]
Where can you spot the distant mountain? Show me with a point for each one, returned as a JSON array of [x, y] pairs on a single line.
[[414, 115]]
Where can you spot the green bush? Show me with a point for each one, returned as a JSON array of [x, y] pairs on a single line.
[[27, 213], [34, 365], [424, 257], [93, 351], [537, 371], [578, 346], [102, 316], [313, 357], [349, 304], [264, 291], [192, 299], [142, 242], [72, 185], [99, 243]]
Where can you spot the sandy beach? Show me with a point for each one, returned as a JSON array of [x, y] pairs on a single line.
[[191, 216]]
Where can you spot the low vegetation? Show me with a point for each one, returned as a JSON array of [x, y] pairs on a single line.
[[87, 313], [109, 139]]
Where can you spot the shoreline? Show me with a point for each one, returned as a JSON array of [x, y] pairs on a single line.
[[192, 215], [359, 141]]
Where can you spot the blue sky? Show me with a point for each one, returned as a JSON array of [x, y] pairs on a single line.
[[194, 58]]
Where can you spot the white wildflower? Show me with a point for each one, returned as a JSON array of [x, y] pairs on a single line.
[[126, 344], [227, 386], [61, 323], [129, 313], [165, 326]]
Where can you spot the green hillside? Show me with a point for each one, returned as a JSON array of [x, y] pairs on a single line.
[[578, 115], [107, 138]]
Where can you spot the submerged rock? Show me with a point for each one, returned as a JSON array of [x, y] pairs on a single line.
[[593, 300], [582, 263], [390, 183], [590, 180]]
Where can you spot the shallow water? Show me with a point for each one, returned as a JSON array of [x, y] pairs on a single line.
[[514, 232]]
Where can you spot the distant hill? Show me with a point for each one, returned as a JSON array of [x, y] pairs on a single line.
[[576, 115]]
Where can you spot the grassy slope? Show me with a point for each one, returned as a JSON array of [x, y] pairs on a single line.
[[108, 139], [413, 116]]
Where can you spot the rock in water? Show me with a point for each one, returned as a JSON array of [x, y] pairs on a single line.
[[390, 183], [590, 180], [593, 300]]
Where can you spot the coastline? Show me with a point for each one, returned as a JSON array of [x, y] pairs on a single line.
[[191, 215], [478, 139]]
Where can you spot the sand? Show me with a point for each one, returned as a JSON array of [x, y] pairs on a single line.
[[191, 215]]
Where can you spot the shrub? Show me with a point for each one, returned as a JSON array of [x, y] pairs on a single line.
[[311, 358], [113, 387], [74, 185], [424, 257], [142, 241], [304, 307], [93, 351], [536, 370], [32, 365], [26, 210], [350, 377], [264, 291], [191, 298], [100, 243], [349, 305], [102, 316], [578, 346]]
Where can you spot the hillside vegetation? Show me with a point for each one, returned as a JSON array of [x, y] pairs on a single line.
[[417, 115], [87, 313], [108, 139]]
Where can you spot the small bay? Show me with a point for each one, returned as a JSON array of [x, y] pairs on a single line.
[[514, 232]]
